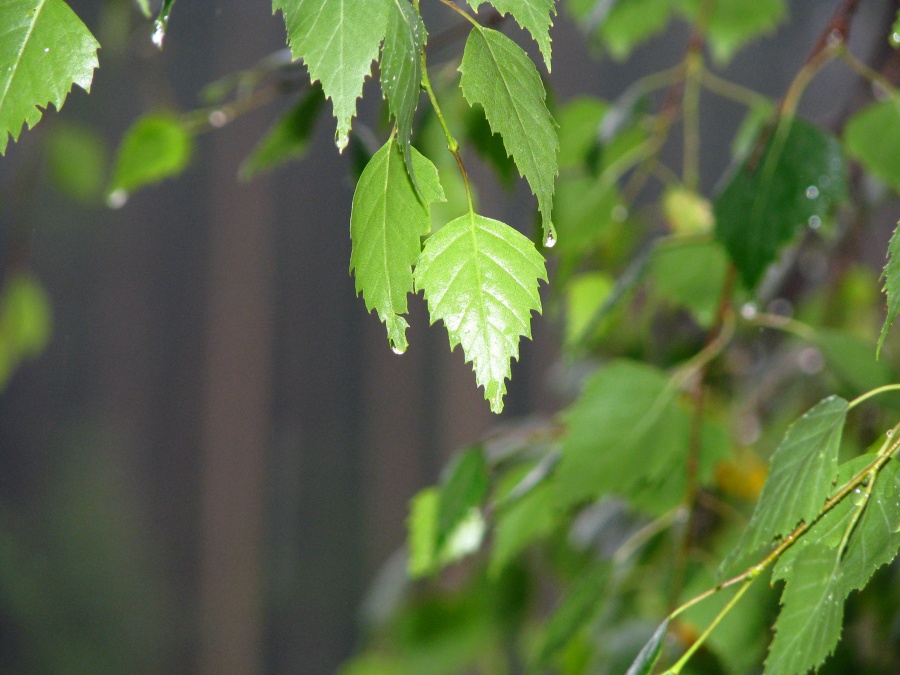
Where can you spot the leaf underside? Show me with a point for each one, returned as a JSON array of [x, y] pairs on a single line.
[[500, 77], [337, 40], [480, 277], [388, 219], [44, 50]]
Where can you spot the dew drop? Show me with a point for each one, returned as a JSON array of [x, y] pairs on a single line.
[[46, 50], [117, 199], [889, 433], [812, 192], [859, 497], [749, 310], [159, 34], [549, 240], [815, 222], [397, 350], [895, 40]]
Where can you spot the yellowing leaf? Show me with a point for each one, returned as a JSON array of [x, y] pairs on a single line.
[[44, 50]]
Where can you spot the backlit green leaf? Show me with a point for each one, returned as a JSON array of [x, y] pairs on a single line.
[[337, 40], [772, 197], [891, 276], [157, 146], [691, 275], [532, 15], [401, 70], [78, 161], [872, 136], [480, 277], [499, 76], [812, 607], [852, 361], [44, 50], [387, 222], [288, 138], [422, 528], [520, 523], [801, 474], [622, 26]]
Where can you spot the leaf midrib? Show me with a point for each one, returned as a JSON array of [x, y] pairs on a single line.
[[37, 13]]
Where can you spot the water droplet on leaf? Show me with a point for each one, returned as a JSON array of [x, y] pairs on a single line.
[[815, 222], [619, 212], [159, 34], [812, 192], [397, 350], [749, 310], [46, 50], [218, 118], [895, 40], [549, 240]]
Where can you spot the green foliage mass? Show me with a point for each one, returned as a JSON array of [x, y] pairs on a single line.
[[698, 323]]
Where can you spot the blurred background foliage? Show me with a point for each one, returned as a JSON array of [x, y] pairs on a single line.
[[210, 463]]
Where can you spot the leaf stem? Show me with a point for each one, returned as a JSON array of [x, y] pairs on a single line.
[[732, 90], [676, 668], [874, 392], [863, 70], [462, 12], [452, 143]]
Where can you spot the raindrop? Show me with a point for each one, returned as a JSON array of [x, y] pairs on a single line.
[[815, 222], [895, 39], [46, 50], [550, 240], [117, 199], [397, 350], [812, 192], [619, 213], [859, 497], [889, 433], [218, 118], [749, 310], [159, 34], [810, 361]]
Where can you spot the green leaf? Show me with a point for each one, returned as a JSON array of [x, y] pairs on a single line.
[[535, 16], [803, 468], [25, 317], [422, 527], [891, 276], [520, 523], [78, 162], [650, 652], [852, 361], [337, 40], [872, 136], [625, 25], [144, 6], [736, 22], [894, 39], [579, 129], [573, 612], [157, 146], [691, 275], [44, 50], [876, 537], [288, 138], [401, 71], [481, 277], [809, 625], [387, 222], [772, 197], [489, 147], [585, 294], [828, 530], [499, 76], [465, 488], [622, 428]]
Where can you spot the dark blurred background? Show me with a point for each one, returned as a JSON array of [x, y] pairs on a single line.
[[212, 459]]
